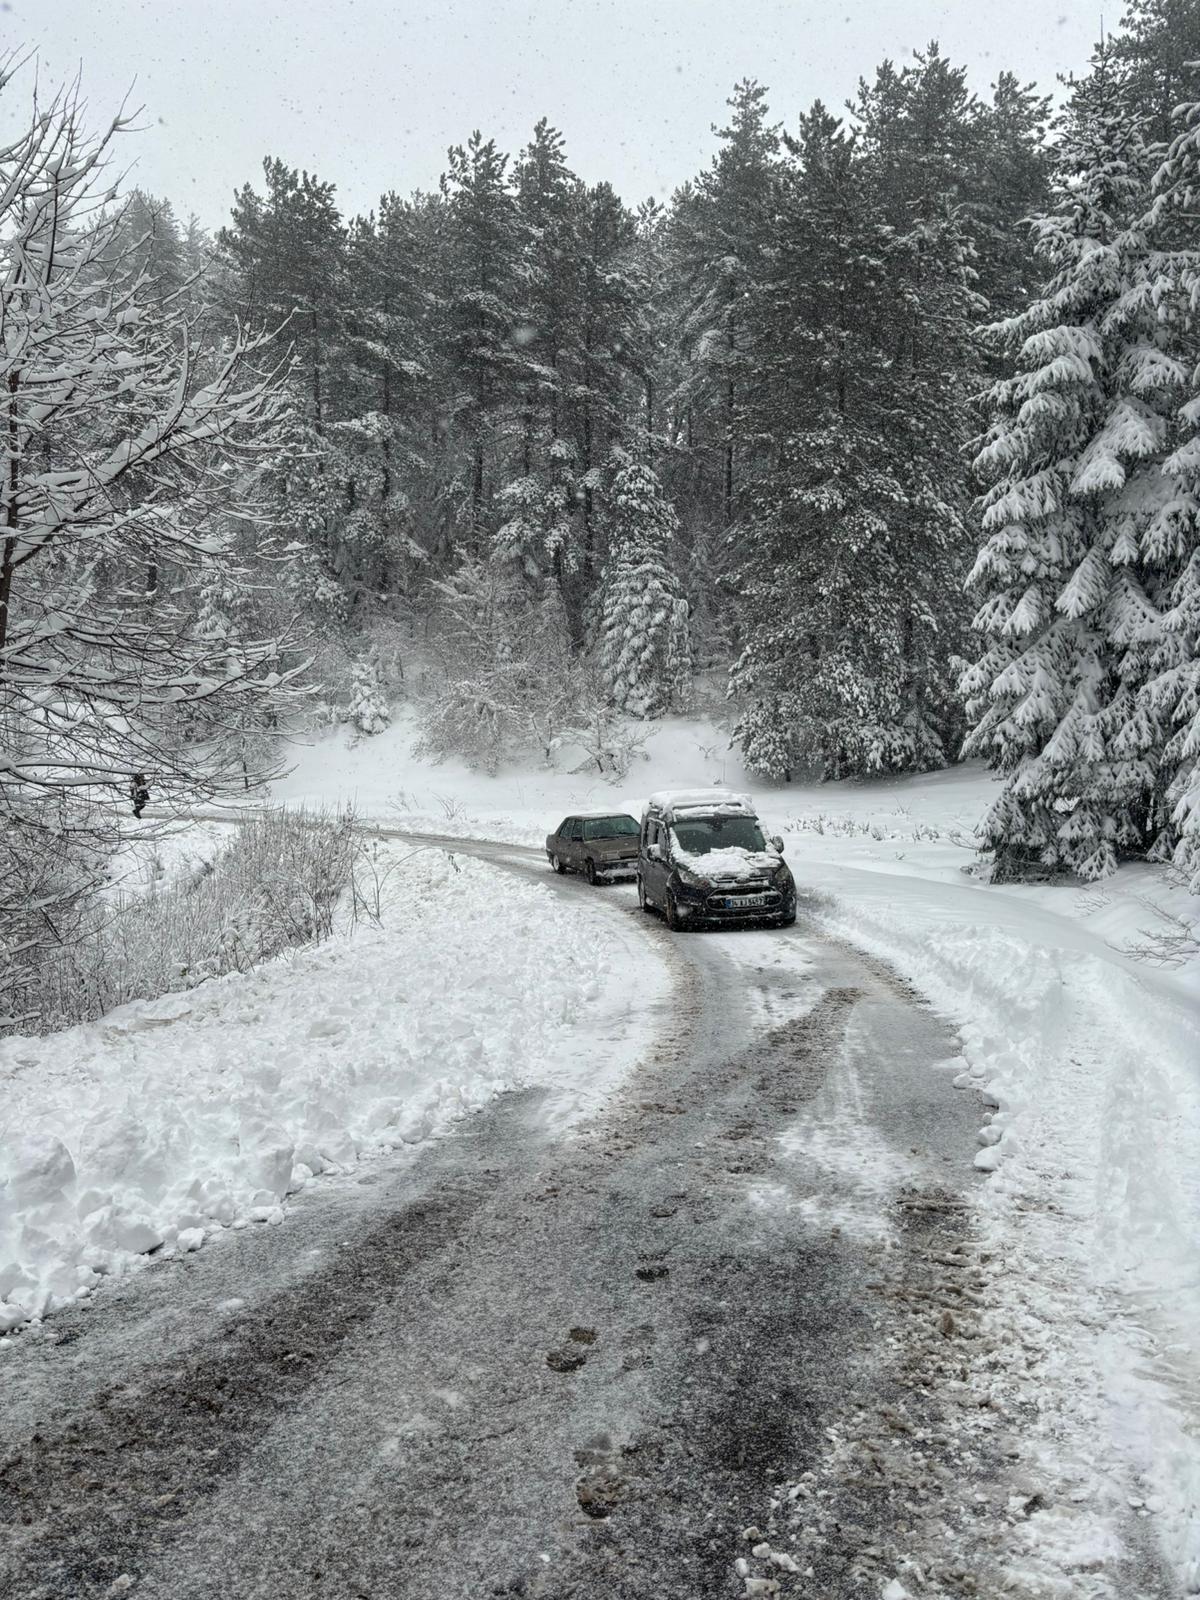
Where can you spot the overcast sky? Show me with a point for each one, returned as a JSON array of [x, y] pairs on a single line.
[[369, 93]]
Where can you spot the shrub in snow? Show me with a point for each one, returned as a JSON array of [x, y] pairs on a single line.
[[368, 710], [612, 742], [645, 650], [275, 886], [506, 678]]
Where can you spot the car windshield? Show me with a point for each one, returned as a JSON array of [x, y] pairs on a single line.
[[610, 828], [698, 835]]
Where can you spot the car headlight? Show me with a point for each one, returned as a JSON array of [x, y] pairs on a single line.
[[689, 879]]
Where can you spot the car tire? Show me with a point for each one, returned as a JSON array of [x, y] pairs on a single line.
[[557, 864], [644, 899], [674, 921], [590, 869]]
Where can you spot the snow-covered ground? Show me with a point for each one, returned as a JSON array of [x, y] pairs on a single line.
[[169, 1120], [172, 1119], [1079, 1013]]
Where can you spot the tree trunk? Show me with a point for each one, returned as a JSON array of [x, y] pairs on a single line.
[[318, 417], [729, 454], [6, 577], [8, 560]]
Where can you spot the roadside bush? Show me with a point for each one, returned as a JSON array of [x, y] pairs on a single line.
[[275, 886]]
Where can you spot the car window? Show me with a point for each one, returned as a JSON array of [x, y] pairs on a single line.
[[609, 828], [576, 829], [698, 835], [564, 827]]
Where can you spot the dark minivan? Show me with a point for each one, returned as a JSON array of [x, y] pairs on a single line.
[[702, 859]]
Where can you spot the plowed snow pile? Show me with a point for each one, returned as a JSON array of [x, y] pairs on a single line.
[[172, 1119]]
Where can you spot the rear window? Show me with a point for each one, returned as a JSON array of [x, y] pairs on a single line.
[[610, 828]]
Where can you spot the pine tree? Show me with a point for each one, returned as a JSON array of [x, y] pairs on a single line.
[[285, 253], [368, 710], [848, 560], [718, 233], [1156, 44], [147, 244], [1172, 541], [1079, 542], [550, 202], [1010, 180], [644, 648], [609, 354], [482, 311]]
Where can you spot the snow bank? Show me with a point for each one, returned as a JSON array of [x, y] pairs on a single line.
[[1091, 1216], [169, 1120]]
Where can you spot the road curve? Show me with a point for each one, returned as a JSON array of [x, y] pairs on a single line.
[[527, 1366]]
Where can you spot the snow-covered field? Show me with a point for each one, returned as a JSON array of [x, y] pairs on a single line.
[[1079, 1014], [172, 1119]]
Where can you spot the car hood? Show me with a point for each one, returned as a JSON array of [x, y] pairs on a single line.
[[731, 865]]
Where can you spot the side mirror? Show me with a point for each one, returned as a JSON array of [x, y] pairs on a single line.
[[654, 852], [777, 843]]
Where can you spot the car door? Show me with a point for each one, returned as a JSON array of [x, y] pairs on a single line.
[[654, 871], [575, 845]]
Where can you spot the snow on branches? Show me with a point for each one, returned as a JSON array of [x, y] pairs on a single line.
[[129, 443], [1089, 516], [644, 644]]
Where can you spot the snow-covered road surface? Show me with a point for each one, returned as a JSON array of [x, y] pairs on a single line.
[[722, 1336]]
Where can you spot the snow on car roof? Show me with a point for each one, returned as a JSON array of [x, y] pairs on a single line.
[[671, 802], [611, 811]]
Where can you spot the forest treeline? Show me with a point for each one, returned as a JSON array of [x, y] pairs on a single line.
[[885, 427]]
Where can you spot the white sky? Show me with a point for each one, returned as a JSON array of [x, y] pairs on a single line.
[[369, 93]]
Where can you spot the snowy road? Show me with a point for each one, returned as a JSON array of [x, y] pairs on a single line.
[[580, 1366]]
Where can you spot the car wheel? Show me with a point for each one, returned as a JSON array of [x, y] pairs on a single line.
[[644, 899], [557, 864], [591, 872], [674, 921]]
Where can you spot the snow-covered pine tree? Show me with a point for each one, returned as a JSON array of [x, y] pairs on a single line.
[[538, 533], [480, 313], [285, 252], [1172, 540], [368, 710], [380, 436], [644, 649], [718, 230], [846, 562], [1077, 556]]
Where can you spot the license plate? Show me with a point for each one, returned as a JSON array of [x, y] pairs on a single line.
[[748, 901]]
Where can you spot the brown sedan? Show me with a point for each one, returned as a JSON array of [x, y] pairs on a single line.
[[602, 844]]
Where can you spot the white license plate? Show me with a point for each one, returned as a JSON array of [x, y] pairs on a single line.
[[748, 901]]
